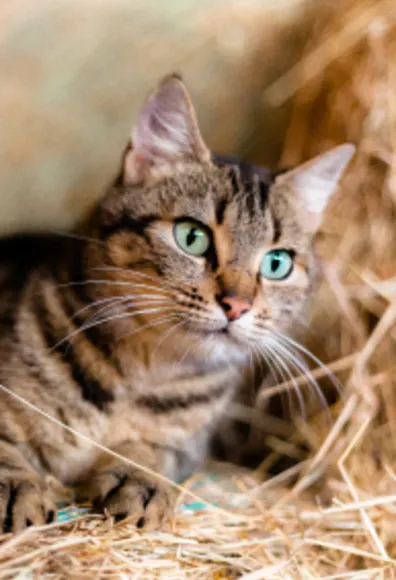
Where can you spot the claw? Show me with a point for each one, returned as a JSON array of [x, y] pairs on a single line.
[[133, 495]]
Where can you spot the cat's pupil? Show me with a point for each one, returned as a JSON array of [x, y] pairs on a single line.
[[275, 264], [191, 237]]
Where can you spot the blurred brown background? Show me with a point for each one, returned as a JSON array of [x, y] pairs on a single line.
[[74, 73]]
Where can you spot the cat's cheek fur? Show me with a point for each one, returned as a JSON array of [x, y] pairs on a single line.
[[298, 278], [286, 305]]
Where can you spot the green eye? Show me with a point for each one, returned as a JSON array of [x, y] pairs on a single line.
[[191, 238], [276, 265]]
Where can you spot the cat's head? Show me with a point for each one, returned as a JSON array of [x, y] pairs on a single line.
[[197, 247]]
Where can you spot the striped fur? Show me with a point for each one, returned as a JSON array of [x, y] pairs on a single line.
[[121, 336]]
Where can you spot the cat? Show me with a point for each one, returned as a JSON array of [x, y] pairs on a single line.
[[137, 329]]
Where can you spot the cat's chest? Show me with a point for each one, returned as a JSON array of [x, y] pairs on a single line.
[[170, 412]]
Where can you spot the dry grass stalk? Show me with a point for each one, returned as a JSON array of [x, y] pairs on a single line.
[[338, 520]]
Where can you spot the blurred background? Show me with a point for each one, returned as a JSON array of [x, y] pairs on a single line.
[[74, 74], [273, 82]]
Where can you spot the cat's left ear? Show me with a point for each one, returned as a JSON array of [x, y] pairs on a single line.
[[166, 132], [315, 182]]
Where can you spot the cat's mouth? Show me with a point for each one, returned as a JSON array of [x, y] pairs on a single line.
[[223, 333]]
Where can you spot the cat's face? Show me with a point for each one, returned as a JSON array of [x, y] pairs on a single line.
[[214, 255]]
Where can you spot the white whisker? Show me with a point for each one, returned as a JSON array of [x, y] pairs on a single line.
[[252, 365], [151, 324], [112, 283], [270, 365], [114, 300], [127, 304], [302, 367], [96, 303], [131, 272], [109, 319], [79, 237], [170, 331], [334, 380], [281, 367], [193, 344]]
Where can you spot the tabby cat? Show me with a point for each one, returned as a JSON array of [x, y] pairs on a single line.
[[137, 329]]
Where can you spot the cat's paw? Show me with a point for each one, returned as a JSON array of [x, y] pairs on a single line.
[[144, 500], [24, 502]]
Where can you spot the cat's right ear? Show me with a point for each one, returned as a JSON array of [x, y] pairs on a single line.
[[314, 182], [166, 132]]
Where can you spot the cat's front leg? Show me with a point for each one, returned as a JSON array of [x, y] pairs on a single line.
[[24, 497], [124, 491]]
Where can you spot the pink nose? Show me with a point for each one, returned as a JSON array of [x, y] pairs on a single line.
[[235, 307]]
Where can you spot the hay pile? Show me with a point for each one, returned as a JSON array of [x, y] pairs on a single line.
[[337, 520]]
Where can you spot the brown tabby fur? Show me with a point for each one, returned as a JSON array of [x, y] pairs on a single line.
[[122, 336]]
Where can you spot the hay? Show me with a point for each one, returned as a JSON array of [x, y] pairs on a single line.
[[333, 514], [257, 539]]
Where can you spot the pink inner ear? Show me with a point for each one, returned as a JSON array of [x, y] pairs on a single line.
[[163, 132], [166, 132]]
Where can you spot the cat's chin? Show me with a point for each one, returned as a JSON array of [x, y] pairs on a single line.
[[224, 350], [221, 345], [224, 333]]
